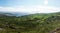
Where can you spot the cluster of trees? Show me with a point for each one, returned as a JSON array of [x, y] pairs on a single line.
[[35, 23]]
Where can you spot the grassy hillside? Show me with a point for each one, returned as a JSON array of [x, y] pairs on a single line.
[[34, 23]]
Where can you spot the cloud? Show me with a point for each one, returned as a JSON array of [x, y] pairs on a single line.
[[31, 9]]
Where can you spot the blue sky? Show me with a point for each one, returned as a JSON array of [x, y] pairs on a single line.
[[20, 2], [28, 2], [29, 5]]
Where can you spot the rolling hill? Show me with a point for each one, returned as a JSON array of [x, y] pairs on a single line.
[[32, 23]]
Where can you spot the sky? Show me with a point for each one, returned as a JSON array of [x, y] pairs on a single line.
[[30, 6]]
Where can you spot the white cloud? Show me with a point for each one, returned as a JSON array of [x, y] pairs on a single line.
[[31, 9]]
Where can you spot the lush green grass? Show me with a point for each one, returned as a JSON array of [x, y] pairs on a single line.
[[35, 23]]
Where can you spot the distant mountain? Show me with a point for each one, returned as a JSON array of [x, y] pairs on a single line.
[[21, 13], [14, 13]]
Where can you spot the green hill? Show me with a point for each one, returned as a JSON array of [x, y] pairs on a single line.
[[34, 23]]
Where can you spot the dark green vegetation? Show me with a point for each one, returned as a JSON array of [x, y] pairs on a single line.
[[35, 23]]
